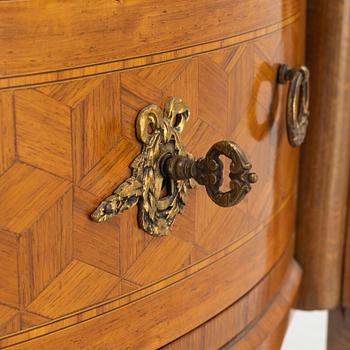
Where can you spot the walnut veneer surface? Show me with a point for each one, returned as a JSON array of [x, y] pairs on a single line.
[[68, 103]]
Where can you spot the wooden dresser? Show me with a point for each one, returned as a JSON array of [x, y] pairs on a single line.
[[74, 77]]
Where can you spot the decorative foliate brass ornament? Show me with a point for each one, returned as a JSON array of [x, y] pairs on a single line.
[[159, 131], [297, 102], [208, 171], [164, 172]]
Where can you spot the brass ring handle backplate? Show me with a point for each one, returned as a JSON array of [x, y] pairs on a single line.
[[164, 172], [297, 102]]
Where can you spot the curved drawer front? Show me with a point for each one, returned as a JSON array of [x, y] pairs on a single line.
[[69, 144], [80, 34]]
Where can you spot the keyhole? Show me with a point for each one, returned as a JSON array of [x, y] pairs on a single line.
[[225, 173], [166, 188]]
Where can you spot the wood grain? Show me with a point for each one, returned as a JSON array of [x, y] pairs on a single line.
[[274, 341], [81, 38], [29, 320], [325, 163], [43, 127], [225, 326], [45, 249], [136, 329], [78, 286], [160, 260], [91, 286], [96, 245], [132, 241], [97, 114], [112, 170], [26, 194], [9, 319], [7, 131], [72, 93], [9, 271], [261, 334], [129, 63], [212, 77]]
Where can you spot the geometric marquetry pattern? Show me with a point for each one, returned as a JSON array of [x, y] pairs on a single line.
[[66, 146]]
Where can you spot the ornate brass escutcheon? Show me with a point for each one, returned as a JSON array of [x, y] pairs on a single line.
[[297, 102], [164, 172]]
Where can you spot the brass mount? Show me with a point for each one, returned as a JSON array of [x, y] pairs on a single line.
[[164, 165], [297, 102]]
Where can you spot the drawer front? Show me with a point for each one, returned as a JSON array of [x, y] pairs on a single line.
[[66, 36], [69, 144]]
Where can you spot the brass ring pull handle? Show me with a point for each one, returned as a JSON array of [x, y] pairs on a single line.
[[297, 102], [164, 172], [208, 171]]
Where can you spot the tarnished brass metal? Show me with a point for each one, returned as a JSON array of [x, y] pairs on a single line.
[[297, 102], [164, 171], [208, 171], [159, 133]]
